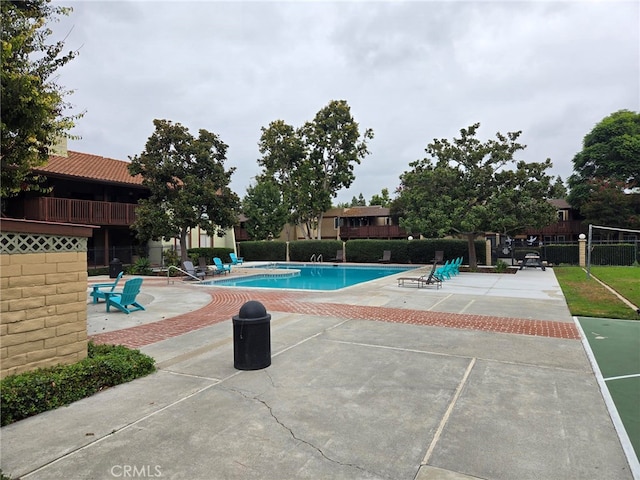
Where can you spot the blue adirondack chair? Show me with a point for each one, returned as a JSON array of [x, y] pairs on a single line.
[[220, 267], [235, 260], [455, 266], [444, 272], [99, 289], [126, 299]]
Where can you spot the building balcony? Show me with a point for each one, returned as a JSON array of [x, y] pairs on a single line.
[[372, 231], [87, 212]]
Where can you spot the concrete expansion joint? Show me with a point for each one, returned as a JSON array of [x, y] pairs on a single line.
[[295, 437], [182, 374]]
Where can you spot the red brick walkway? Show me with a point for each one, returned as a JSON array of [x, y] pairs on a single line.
[[227, 303]]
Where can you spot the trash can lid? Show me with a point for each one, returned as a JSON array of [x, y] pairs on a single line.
[[252, 309]]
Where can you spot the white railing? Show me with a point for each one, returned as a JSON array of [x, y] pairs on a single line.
[[180, 270]]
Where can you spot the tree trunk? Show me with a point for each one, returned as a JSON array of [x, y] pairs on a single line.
[[473, 260], [320, 227], [183, 245]]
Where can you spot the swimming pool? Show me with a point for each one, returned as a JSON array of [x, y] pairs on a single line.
[[312, 276]]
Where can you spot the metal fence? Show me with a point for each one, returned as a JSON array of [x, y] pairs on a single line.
[[97, 258], [619, 253], [558, 253]]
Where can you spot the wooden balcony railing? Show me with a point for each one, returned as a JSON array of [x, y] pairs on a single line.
[[86, 212], [373, 231]]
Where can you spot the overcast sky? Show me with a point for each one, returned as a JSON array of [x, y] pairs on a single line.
[[411, 71]]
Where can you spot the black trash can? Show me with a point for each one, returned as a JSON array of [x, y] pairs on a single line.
[[115, 267], [252, 337]]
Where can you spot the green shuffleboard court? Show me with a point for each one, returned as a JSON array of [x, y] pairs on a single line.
[[614, 350]]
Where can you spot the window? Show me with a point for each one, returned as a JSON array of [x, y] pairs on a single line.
[[205, 240]]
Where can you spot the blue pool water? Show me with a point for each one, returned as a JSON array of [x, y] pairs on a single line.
[[312, 276]]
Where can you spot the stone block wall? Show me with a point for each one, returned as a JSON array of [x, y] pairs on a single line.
[[43, 296]]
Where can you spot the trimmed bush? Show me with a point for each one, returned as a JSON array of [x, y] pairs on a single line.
[[302, 250], [30, 393], [361, 251], [263, 250], [370, 251], [93, 272], [209, 252]]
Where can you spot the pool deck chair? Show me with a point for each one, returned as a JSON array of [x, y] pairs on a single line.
[[386, 257], [192, 271], [431, 279], [203, 267], [126, 299], [99, 289], [235, 260], [339, 257], [220, 267]]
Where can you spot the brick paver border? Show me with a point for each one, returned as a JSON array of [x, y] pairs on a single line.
[[226, 303]]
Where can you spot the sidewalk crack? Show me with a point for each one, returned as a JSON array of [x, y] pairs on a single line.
[[299, 439]]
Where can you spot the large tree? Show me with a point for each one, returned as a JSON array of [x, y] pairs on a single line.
[[266, 213], [312, 163], [608, 204], [335, 146], [33, 106], [609, 160], [465, 187], [188, 182], [283, 161]]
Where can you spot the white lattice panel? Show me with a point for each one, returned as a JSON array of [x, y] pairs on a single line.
[[37, 243]]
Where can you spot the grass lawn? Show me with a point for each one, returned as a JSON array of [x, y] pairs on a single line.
[[587, 298], [624, 280]]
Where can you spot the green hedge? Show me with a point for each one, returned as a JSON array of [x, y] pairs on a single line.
[[361, 251], [210, 252], [263, 250], [303, 250], [27, 394], [411, 251]]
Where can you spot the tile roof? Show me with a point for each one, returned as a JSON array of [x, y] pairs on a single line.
[[90, 167], [559, 203]]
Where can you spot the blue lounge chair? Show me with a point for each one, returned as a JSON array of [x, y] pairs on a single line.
[[99, 289], [235, 260], [125, 300], [220, 267]]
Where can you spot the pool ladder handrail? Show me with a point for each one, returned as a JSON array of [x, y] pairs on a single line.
[[180, 270], [315, 258]]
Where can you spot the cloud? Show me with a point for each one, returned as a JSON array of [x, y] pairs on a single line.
[[412, 71]]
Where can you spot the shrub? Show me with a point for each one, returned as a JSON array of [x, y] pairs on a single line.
[[26, 394], [302, 250], [142, 266], [92, 272], [209, 252], [263, 250], [171, 258], [501, 266]]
